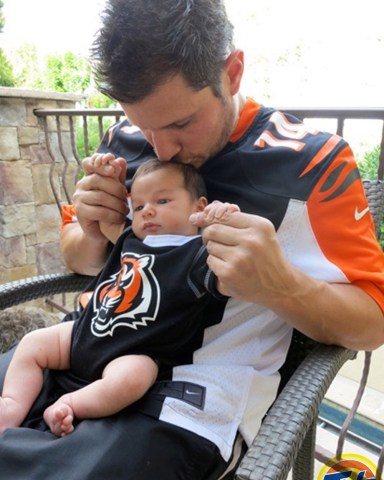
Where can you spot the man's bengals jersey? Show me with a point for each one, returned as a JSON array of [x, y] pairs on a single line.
[[306, 182]]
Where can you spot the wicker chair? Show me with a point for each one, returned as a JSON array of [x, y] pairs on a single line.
[[286, 439]]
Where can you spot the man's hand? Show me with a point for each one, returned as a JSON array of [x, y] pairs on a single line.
[[97, 198], [100, 198], [245, 254]]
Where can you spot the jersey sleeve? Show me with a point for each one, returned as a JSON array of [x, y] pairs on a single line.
[[343, 226], [68, 215]]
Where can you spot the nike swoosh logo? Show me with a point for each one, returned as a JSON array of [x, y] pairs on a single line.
[[188, 392], [360, 215]]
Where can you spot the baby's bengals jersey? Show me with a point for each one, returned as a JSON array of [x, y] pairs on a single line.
[[307, 184], [153, 297]]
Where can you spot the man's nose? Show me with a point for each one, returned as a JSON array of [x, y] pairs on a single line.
[[165, 145]]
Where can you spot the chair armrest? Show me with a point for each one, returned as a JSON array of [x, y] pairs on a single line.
[[20, 291], [281, 435]]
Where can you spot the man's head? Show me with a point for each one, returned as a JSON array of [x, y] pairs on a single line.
[[143, 43], [172, 66]]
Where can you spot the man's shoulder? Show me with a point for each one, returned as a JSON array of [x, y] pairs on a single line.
[[280, 135]]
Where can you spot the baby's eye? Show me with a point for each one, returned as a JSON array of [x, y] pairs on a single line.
[[162, 201], [138, 208]]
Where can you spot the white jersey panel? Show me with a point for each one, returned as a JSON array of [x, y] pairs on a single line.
[[227, 390], [301, 248], [239, 355], [247, 335]]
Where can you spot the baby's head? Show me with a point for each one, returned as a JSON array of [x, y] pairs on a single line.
[[164, 195]]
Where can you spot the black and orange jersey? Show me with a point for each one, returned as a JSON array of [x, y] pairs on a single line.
[[274, 161], [306, 182]]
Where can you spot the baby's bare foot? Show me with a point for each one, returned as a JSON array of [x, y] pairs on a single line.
[[59, 418]]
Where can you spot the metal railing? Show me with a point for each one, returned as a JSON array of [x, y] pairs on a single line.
[[63, 128]]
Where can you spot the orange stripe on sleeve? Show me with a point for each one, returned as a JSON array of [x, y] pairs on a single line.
[[68, 215]]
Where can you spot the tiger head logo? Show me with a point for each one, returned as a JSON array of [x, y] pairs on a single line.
[[129, 298]]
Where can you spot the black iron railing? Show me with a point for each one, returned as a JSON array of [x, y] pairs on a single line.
[[68, 137]]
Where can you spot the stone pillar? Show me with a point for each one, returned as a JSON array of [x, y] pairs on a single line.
[[29, 216]]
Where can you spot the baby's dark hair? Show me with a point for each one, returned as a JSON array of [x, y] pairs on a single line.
[[193, 181]]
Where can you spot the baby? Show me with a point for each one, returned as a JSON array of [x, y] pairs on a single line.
[[111, 347]]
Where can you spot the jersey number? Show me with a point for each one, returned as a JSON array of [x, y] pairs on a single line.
[[292, 133]]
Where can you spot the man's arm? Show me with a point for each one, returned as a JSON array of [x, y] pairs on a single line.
[[245, 254], [82, 254]]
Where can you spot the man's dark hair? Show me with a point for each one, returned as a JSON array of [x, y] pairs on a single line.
[[193, 181], [143, 43]]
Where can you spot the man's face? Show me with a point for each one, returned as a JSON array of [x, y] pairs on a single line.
[[182, 124]]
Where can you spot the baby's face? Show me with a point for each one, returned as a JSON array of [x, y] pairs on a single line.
[[162, 205]]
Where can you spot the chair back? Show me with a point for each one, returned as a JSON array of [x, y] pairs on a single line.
[[374, 190]]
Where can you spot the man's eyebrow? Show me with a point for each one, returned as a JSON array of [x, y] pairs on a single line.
[[180, 121]]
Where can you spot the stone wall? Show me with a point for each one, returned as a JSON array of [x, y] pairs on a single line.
[[29, 217]]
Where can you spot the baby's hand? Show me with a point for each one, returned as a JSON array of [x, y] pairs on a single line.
[[104, 164], [219, 211]]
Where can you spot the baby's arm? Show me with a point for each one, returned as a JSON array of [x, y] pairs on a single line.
[[108, 166]]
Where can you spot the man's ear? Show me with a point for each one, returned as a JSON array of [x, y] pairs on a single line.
[[233, 69]]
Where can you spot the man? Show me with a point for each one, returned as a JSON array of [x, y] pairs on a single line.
[[174, 69]]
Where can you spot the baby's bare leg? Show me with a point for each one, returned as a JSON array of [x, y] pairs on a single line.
[[40, 349], [124, 380]]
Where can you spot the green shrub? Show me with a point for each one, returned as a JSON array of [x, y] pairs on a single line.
[[93, 135], [7, 78], [369, 164]]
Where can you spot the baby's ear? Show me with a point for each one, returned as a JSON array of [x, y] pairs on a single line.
[[202, 202]]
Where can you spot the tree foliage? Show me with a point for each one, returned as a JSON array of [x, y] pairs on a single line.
[[26, 67], [67, 72], [6, 73], [2, 21]]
